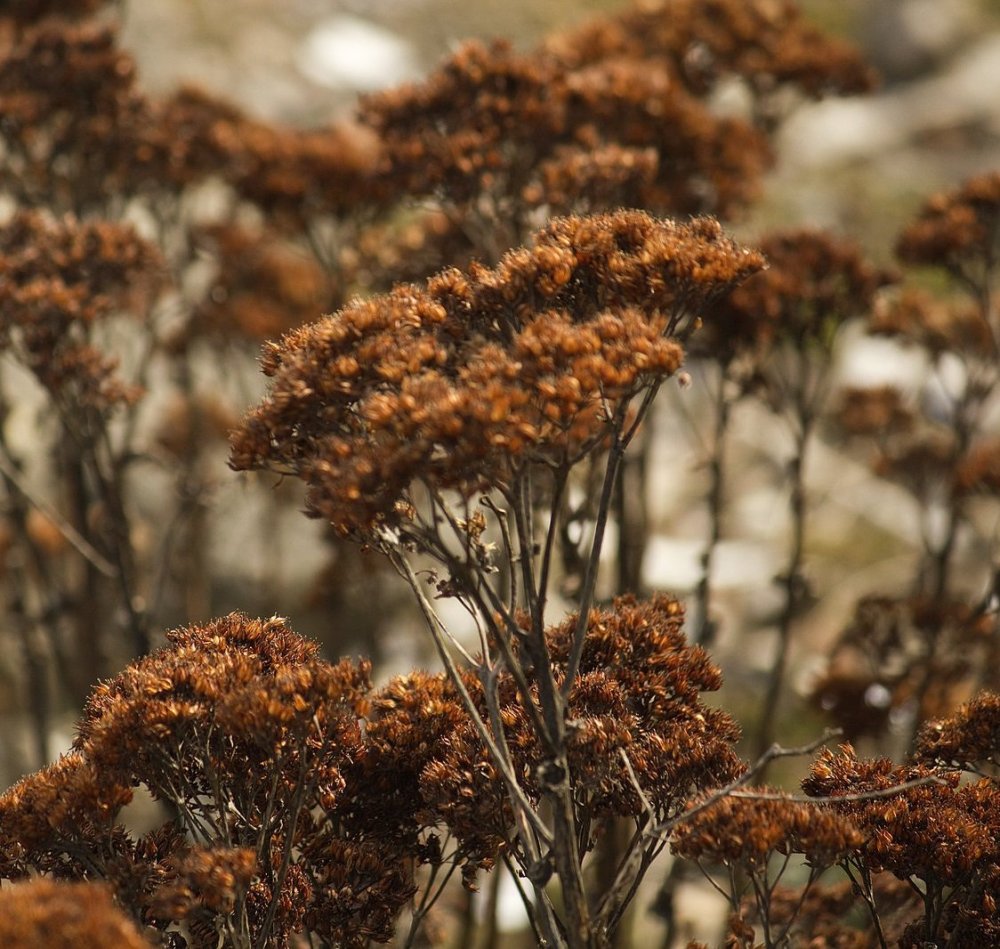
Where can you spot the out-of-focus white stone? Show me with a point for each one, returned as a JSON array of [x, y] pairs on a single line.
[[878, 361], [841, 130], [347, 51], [907, 37]]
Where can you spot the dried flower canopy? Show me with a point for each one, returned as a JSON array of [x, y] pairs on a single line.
[[461, 381]]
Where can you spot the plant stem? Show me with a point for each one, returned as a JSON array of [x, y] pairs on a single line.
[[792, 583]]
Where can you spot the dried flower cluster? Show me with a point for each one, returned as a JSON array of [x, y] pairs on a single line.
[[58, 280], [958, 230], [262, 288], [291, 817], [748, 831], [929, 651], [615, 113], [636, 698], [897, 651], [941, 837], [813, 284], [459, 383], [969, 740], [249, 738], [64, 916], [768, 44], [497, 123], [481, 420]]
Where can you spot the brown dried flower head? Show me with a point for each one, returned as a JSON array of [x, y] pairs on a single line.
[[880, 411], [814, 282], [740, 831], [880, 662], [458, 383], [637, 697], [62, 915], [940, 833], [57, 281], [767, 43], [968, 739], [242, 690], [939, 326], [262, 287], [252, 740], [958, 230], [526, 130], [58, 154]]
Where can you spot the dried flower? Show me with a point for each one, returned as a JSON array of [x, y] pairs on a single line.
[[262, 287], [968, 739], [746, 832], [881, 411], [939, 326], [957, 230], [57, 281], [895, 651], [767, 43], [460, 382], [64, 915], [636, 698]]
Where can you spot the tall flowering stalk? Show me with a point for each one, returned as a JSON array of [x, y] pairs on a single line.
[[432, 420], [927, 648], [788, 318]]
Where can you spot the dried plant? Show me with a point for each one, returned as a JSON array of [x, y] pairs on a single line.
[[756, 837], [64, 915], [476, 410], [940, 838], [924, 653], [477, 386], [775, 336]]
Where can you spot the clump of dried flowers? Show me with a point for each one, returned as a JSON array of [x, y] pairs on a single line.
[[461, 383], [924, 653], [938, 835], [64, 915], [420, 420], [617, 112], [58, 281], [249, 739], [453, 421], [753, 834], [302, 801]]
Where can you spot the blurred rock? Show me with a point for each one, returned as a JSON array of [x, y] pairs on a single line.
[[907, 38], [964, 95], [349, 52]]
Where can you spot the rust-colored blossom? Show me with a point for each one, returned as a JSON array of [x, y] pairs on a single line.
[[747, 832], [939, 832], [766, 43], [262, 287], [939, 326], [958, 230], [637, 697], [458, 383], [879, 411], [63, 915], [968, 739], [897, 651], [57, 281]]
